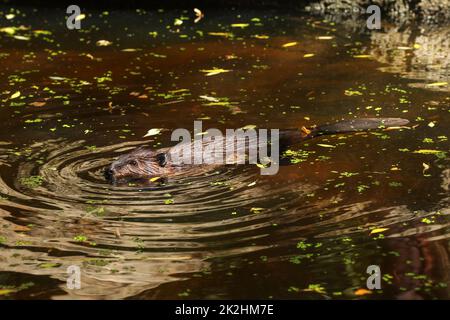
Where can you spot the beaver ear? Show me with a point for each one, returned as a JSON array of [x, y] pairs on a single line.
[[162, 159]]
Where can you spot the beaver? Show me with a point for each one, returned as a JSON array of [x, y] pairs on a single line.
[[144, 162]]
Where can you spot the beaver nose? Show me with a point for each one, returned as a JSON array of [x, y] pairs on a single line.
[[108, 173]]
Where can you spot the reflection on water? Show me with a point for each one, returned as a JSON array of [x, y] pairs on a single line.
[[306, 232]]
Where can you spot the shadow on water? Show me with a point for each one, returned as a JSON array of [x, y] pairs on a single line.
[[306, 232]]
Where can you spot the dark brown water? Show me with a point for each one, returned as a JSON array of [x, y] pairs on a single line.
[[305, 233]]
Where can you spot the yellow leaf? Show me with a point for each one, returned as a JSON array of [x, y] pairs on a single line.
[[21, 38], [261, 36], [154, 179], [437, 84], [378, 230], [221, 34], [80, 17], [325, 37], [103, 43], [427, 151], [362, 56], [256, 210], [8, 30], [15, 95], [308, 55], [361, 292], [214, 71], [240, 25], [326, 145], [6, 291], [289, 44]]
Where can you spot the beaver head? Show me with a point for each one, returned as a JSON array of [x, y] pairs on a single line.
[[141, 163]]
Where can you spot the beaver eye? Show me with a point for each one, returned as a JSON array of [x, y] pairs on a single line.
[[132, 163]]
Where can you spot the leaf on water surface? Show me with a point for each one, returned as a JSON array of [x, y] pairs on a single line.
[[362, 292], [154, 179], [290, 44], [428, 151], [208, 98], [80, 17], [325, 37], [152, 132], [221, 34], [15, 95], [362, 56], [261, 36], [214, 71], [326, 145], [431, 124], [199, 15], [256, 210], [437, 84], [8, 30], [251, 184], [308, 55], [4, 292], [22, 38], [378, 230], [130, 50], [103, 43], [239, 25], [57, 78]]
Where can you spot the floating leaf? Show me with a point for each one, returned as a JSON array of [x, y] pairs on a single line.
[[427, 151], [103, 43], [8, 30], [15, 95], [325, 37], [154, 179], [214, 71], [437, 84], [256, 210], [362, 56], [80, 17], [326, 145], [221, 34], [4, 292], [152, 132], [378, 230], [22, 38], [362, 292], [290, 44], [240, 25], [260, 36], [208, 98], [308, 55]]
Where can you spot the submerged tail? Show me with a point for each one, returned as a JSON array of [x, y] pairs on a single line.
[[289, 137], [362, 124]]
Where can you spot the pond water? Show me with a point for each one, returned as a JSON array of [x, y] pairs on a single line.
[[72, 101]]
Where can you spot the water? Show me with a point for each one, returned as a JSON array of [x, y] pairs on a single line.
[[305, 233]]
